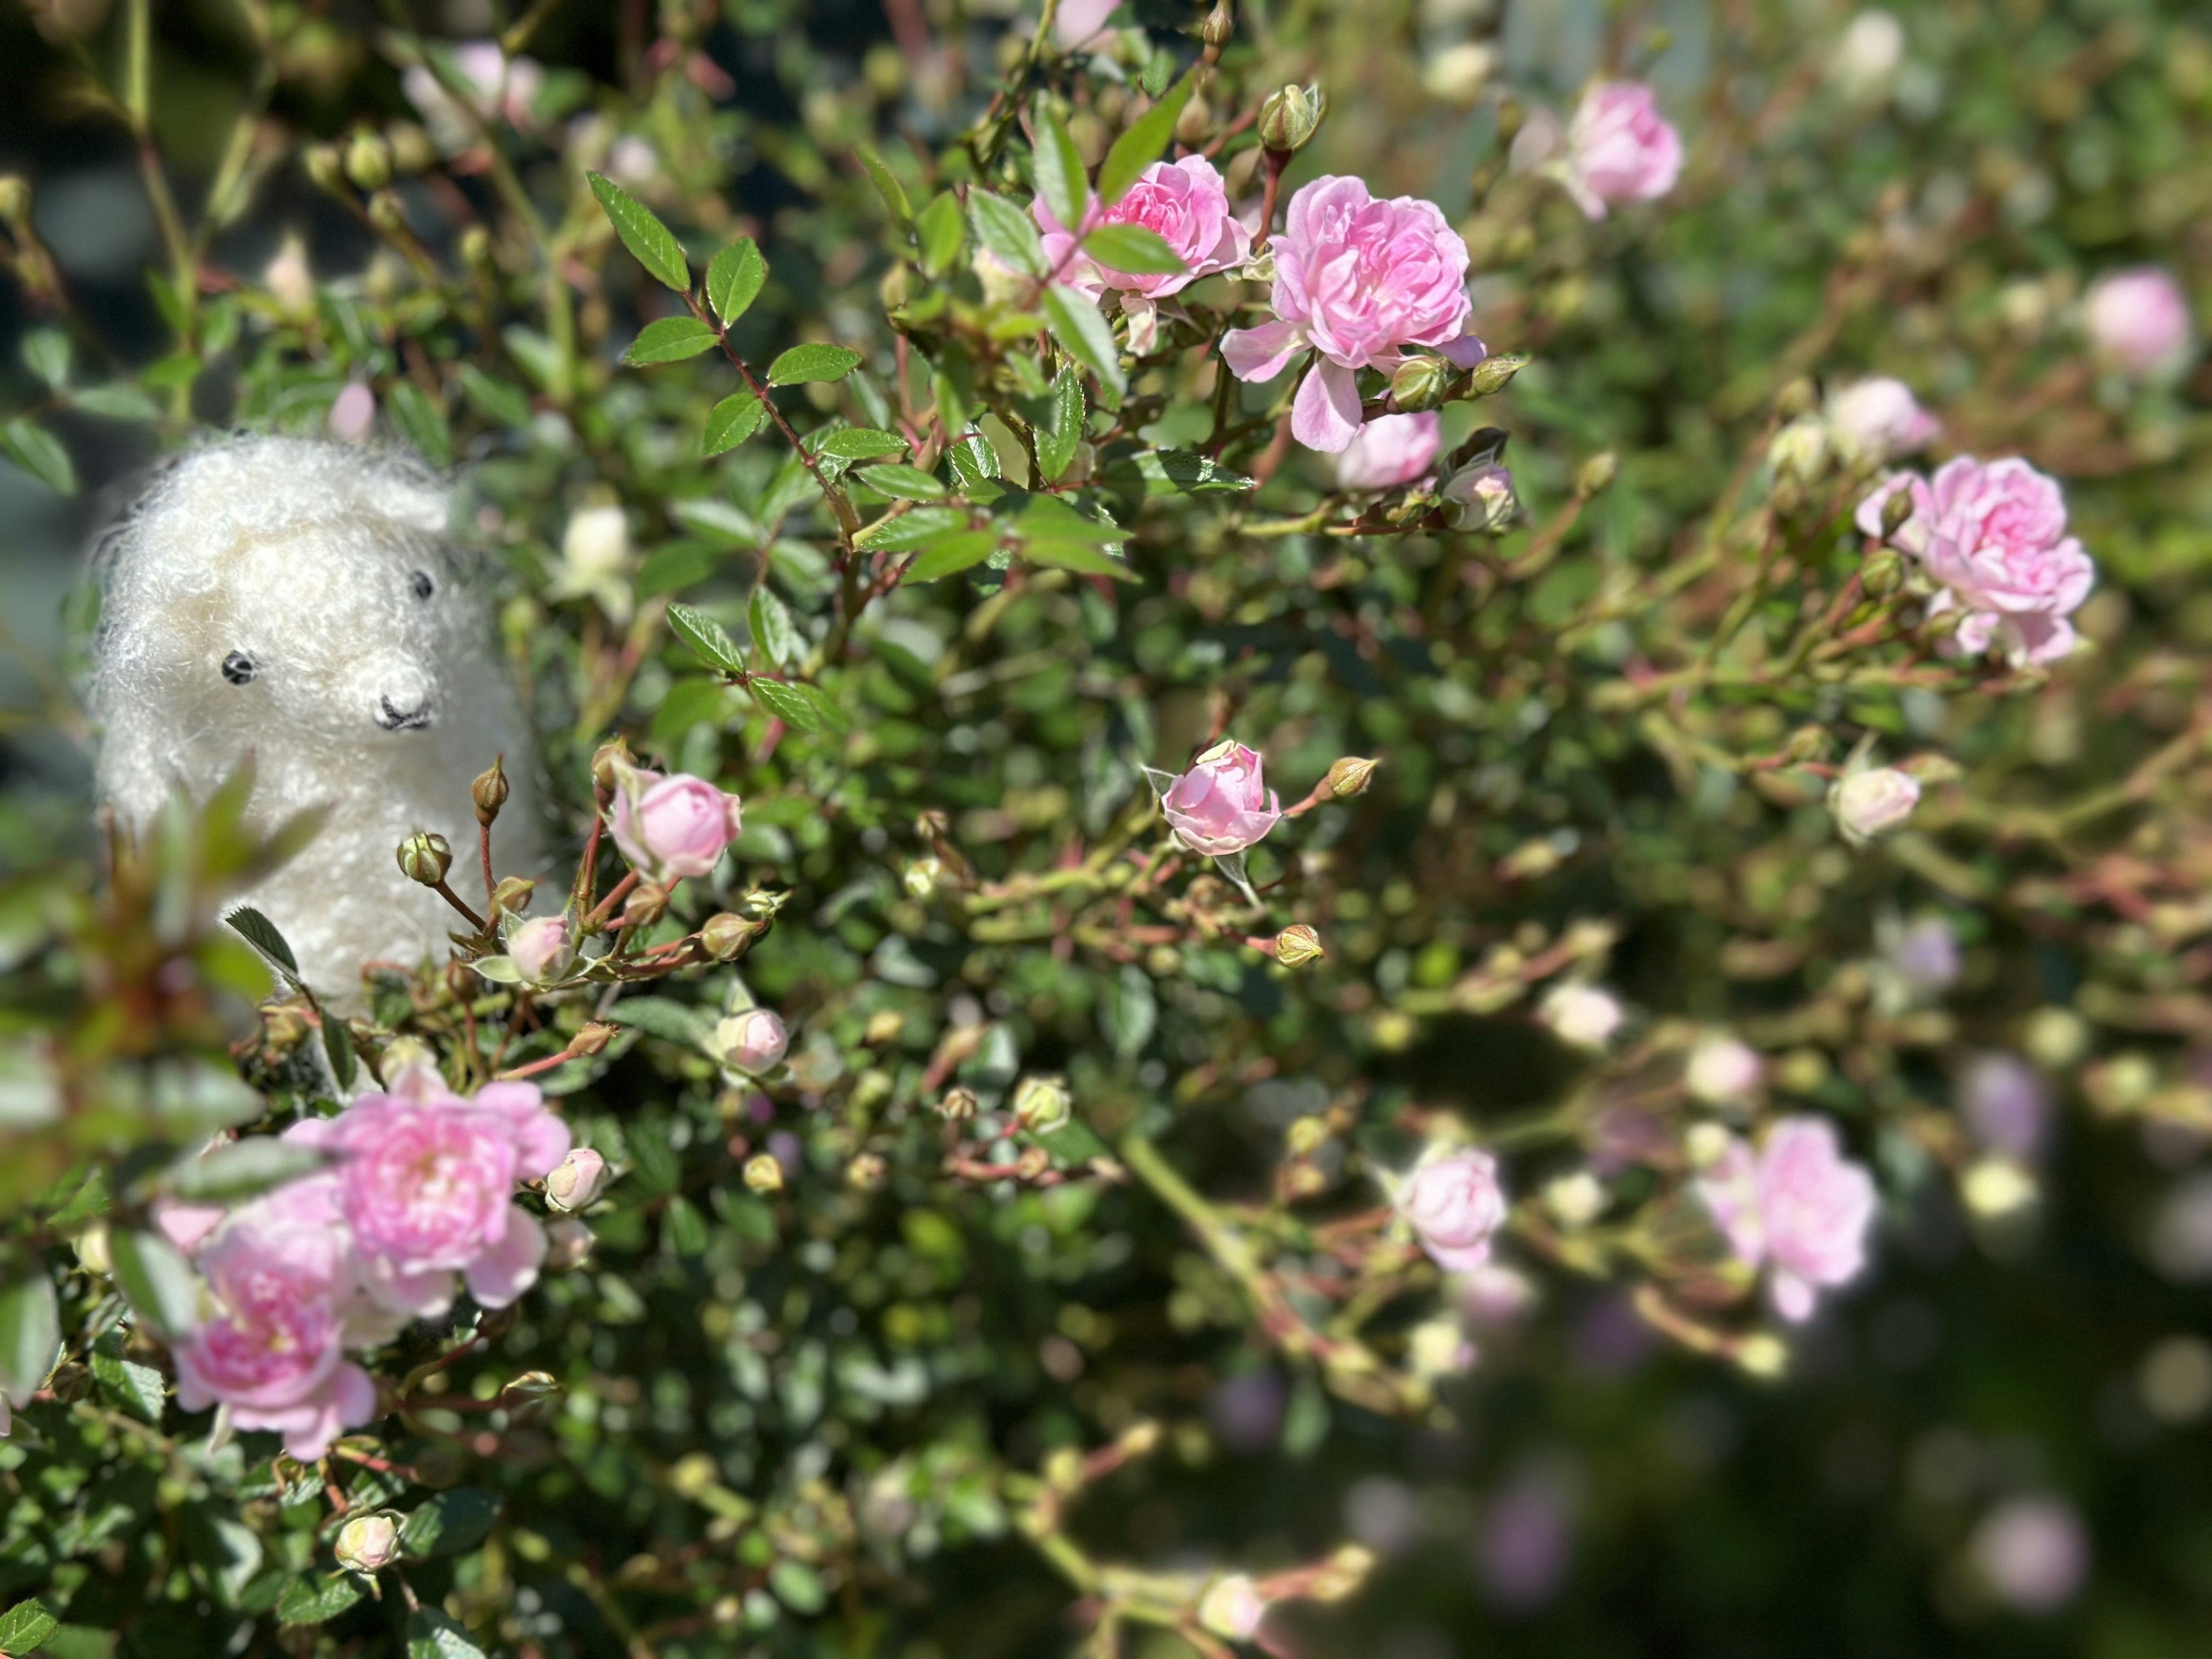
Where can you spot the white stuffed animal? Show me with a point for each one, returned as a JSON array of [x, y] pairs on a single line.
[[300, 602]]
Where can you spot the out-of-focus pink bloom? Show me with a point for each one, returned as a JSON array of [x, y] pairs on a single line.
[[1356, 280], [353, 411], [187, 1225], [1926, 954], [1619, 148], [1994, 535], [1222, 805], [1582, 1014], [1495, 1295], [1796, 1206], [568, 1244], [1724, 1070], [2006, 1105], [1232, 1606], [1185, 203], [540, 949], [282, 1276], [499, 89], [1390, 450], [671, 827], [428, 1182], [2033, 1553], [1523, 1551], [1077, 23], [1454, 1206], [1480, 497], [1874, 800], [1874, 422], [752, 1040], [2138, 320]]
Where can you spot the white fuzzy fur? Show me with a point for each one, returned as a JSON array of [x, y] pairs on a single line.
[[301, 555]]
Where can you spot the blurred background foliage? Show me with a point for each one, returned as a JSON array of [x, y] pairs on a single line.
[[789, 1420]]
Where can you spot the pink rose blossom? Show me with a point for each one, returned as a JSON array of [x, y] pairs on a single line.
[[2033, 1553], [1222, 805], [1994, 535], [2138, 319], [1874, 800], [1390, 450], [1875, 422], [671, 827], [1454, 1205], [1620, 148], [428, 1182], [353, 411], [1078, 22], [1185, 203], [1796, 1206], [752, 1040], [284, 1279], [1356, 280], [540, 951]]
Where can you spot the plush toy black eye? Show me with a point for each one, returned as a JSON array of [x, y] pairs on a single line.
[[421, 585], [238, 668]]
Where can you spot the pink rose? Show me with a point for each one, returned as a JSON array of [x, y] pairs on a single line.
[[1390, 450], [539, 949], [1619, 148], [1078, 22], [671, 827], [428, 1187], [1874, 801], [1356, 280], [1875, 420], [1222, 805], [1796, 1206], [1994, 534], [752, 1040], [284, 1279], [573, 1182], [1186, 204], [2138, 319], [1454, 1205]]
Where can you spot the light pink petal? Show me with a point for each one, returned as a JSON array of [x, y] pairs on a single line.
[[1326, 416], [1793, 1296], [1262, 353], [510, 1266]]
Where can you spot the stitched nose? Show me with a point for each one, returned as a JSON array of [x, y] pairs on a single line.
[[393, 718]]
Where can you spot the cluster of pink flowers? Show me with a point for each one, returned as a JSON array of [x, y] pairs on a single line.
[[1186, 204], [419, 1196], [1993, 534], [1796, 1207], [1222, 805]]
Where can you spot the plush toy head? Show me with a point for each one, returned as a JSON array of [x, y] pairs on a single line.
[[300, 602]]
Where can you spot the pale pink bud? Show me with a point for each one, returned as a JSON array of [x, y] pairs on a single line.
[[1222, 805], [751, 1041], [1875, 420], [2138, 320], [1875, 801], [1454, 1204], [576, 1180], [368, 1543], [1724, 1070], [540, 950], [1582, 1014], [671, 827], [1480, 498], [353, 411]]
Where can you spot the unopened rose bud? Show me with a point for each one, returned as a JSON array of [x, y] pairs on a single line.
[[1797, 398], [1349, 776], [1420, 384], [92, 1251], [1298, 944], [1042, 1104], [1582, 1014], [763, 904], [1807, 742], [387, 214], [1800, 449], [1723, 1071], [476, 247], [1874, 801], [531, 1396], [368, 1543], [513, 894], [1762, 1356], [1495, 373], [764, 1174], [752, 1040], [576, 1180], [71, 1383], [568, 1244], [645, 905], [1706, 1145], [1596, 474], [724, 935], [1306, 1136], [606, 759], [425, 857], [1940, 625], [326, 166], [1883, 573], [1219, 26], [1034, 1162], [542, 951], [867, 1172], [490, 791], [1289, 116], [369, 160], [1894, 511], [1232, 1606], [958, 1105], [1192, 125], [1480, 498], [923, 875], [591, 1038]]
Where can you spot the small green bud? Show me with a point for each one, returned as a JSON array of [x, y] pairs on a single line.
[[369, 160], [866, 1172], [425, 857], [15, 199], [1420, 383], [1496, 374], [490, 791], [326, 166], [1298, 944], [1596, 474], [958, 1105], [1220, 24], [1289, 117], [1350, 776], [368, 1543], [1042, 1104], [1797, 398], [1882, 574], [725, 935], [764, 1174], [531, 1396], [606, 761], [1894, 511], [513, 894]]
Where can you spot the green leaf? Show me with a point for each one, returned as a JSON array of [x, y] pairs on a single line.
[[242, 1169], [1060, 175], [812, 362], [887, 187], [159, 1284], [730, 422], [47, 353], [655, 1163], [798, 1587], [1082, 331], [860, 443], [735, 278], [910, 482], [1050, 518], [421, 421], [1143, 143], [1076, 556], [1134, 250], [1170, 471], [674, 567], [313, 1601], [117, 401], [775, 635], [705, 636], [1006, 231], [40, 454], [798, 705], [433, 1635], [942, 233], [338, 1048], [686, 1228], [1057, 439], [30, 1332], [669, 340], [975, 463], [137, 1388], [911, 529], [501, 402], [453, 1522], [668, 1019], [652, 243], [948, 554], [261, 934], [24, 1626]]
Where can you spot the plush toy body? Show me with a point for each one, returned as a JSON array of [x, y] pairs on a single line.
[[300, 602]]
